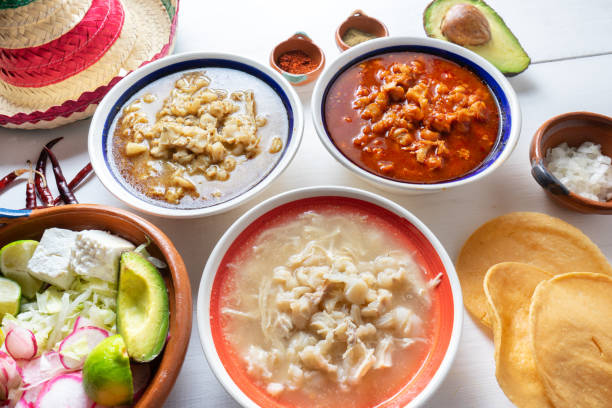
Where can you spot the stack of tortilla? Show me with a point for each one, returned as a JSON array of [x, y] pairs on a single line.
[[546, 291]]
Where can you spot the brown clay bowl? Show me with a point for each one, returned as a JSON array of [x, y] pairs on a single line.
[[362, 22], [574, 128], [136, 230], [299, 42]]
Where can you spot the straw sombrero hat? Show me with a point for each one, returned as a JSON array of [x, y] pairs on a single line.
[[58, 58]]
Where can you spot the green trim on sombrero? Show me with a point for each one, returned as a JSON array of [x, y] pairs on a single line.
[[6, 4], [168, 4]]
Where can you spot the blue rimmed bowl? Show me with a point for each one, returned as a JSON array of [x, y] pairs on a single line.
[[100, 130], [510, 114]]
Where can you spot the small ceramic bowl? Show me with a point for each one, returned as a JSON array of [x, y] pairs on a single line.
[[30, 224], [100, 133], [429, 251], [573, 128], [508, 104], [299, 42], [362, 22]]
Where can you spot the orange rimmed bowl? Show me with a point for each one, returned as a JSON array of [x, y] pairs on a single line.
[[447, 304], [30, 224]]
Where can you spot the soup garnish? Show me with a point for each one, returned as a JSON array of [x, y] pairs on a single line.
[[326, 305], [412, 117]]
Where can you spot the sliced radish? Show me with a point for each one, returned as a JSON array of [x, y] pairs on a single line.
[[14, 396], [65, 390], [28, 398], [4, 376], [141, 375], [42, 369], [75, 348], [24, 404], [3, 392], [21, 343], [81, 322], [10, 372]]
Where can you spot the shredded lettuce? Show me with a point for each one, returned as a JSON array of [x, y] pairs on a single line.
[[142, 250], [52, 315]]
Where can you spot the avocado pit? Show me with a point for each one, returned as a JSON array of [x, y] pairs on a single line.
[[464, 24]]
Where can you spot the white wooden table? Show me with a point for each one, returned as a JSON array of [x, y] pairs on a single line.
[[569, 43]]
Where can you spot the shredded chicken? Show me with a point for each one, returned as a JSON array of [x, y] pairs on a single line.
[[330, 309]]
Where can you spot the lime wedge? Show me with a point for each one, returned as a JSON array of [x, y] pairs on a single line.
[[107, 378], [10, 297], [14, 259]]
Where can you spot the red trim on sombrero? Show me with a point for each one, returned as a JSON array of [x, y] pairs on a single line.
[[87, 98], [69, 54]]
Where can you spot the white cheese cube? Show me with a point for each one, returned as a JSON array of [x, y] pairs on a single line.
[[96, 255], [51, 260]]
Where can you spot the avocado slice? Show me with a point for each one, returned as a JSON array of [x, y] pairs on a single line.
[[503, 49], [142, 307]]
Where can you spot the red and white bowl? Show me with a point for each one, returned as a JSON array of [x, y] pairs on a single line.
[[430, 254]]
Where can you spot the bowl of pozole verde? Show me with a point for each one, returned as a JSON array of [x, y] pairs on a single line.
[[329, 296], [195, 134], [416, 115]]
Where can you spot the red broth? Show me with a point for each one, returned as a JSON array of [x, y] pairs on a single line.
[[412, 367], [412, 117]]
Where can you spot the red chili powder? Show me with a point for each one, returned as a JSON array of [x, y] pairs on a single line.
[[296, 62]]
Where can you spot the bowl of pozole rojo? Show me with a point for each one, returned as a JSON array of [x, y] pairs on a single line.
[[329, 296], [416, 114]]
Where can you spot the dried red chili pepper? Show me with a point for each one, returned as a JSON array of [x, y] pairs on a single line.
[[30, 191], [80, 176], [62, 186], [40, 178], [6, 180]]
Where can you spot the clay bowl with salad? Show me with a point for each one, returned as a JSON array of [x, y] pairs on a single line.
[[96, 307], [416, 115], [329, 296], [195, 134], [571, 159]]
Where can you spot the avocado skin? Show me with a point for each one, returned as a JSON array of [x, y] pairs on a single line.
[[147, 343], [430, 23]]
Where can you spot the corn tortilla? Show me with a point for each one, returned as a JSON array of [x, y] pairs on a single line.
[[571, 334], [528, 237], [508, 287]]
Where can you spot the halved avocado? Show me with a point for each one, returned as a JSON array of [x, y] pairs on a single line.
[[142, 307], [503, 49]]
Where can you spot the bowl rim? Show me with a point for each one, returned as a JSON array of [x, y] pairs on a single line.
[[175, 348], [348, 58], [557, 190], [105, 111], [216, 257]]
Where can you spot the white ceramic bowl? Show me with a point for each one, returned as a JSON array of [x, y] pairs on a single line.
[[120, 93], [510, 126], [451, 321]]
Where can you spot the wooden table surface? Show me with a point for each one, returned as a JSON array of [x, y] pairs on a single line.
[[569, 44]]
